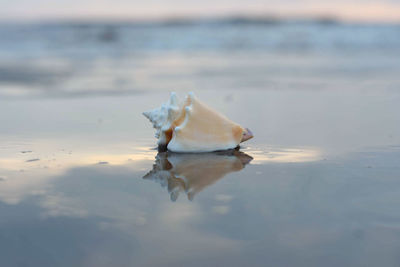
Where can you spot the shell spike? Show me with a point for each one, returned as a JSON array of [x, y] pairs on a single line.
[[190, 97], [173, 99], [147, 114]]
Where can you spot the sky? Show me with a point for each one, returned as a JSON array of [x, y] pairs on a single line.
[[350, 10]]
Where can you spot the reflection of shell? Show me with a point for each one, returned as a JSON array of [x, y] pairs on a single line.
[[194, 127], [191, 173]]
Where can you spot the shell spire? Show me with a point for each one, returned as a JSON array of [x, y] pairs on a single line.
[[192, 126]]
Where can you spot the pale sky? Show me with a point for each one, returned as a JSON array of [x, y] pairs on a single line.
[[353, 10]]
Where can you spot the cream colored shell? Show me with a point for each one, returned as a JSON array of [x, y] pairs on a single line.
[[193, 127]]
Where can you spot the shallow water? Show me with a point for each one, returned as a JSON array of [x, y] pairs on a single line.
[[82, 185]]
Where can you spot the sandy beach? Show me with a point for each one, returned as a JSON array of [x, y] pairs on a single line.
[[81, 183]]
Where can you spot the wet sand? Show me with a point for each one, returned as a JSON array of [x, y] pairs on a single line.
[[81, 183]]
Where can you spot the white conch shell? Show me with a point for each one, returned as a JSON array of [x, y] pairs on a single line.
[[194, 127]]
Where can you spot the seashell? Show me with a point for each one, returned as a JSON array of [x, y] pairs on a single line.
[[194, 127], [192, 173]]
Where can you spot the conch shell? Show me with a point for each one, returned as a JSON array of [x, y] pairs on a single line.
[[194, 127]]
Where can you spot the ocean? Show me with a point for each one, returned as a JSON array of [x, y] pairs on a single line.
[[82, 183], [74, 59]]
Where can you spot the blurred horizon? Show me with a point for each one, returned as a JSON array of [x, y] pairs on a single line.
[[192, 20], [363, 11], [73, 49]]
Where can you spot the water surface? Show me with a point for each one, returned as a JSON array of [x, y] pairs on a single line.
[[81, 183]]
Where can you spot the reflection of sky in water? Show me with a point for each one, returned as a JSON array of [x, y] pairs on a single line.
[[304, 213], [48, 158], [321, 189]]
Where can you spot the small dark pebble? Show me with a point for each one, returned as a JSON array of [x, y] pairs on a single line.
[[26, 151], [31, 160]]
